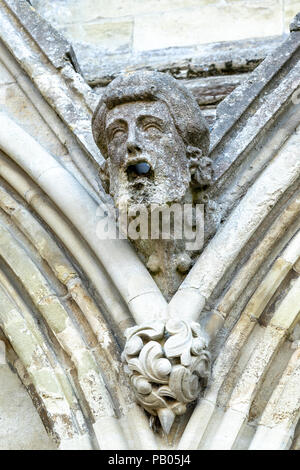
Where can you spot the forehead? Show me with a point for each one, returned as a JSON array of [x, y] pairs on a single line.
[[135, 109]]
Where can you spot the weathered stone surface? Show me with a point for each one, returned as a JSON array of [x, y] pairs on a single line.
[[106, 37], [193, 26], [168, 365], [157, 24], [212, 90], [15, 102], [295, 24], [291, 9], [5, 77], [222, 58], [52, 43], [66, 296], [230, 112], [87, 10], [21, 427], [63, 88], [165, 24]]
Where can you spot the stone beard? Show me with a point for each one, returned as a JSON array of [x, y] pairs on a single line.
[[150, 130]]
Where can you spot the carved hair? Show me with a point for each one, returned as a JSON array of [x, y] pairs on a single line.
[[153, 86]]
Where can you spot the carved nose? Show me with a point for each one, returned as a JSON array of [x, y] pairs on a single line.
[[133, 147]]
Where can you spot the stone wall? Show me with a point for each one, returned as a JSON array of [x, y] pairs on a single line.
[[191, 39], [138, 25]]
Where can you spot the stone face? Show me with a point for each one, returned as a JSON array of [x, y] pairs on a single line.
[[126, 136]]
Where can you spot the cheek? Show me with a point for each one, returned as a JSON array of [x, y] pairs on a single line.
[[172, 147], [167, 142], [162, 144], [116, 153]]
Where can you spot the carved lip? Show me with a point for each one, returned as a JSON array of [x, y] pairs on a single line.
[[139, 171]]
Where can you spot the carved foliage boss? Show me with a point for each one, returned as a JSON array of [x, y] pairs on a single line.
[[168, 363]]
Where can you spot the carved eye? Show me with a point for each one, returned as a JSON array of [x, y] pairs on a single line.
[[116, 133], [152, 127]]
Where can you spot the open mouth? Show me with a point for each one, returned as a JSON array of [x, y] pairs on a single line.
[[139, 171]]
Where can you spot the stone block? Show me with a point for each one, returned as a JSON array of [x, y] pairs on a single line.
[[206, 24], [291, 8], [163, 23], [15, 103], [109, 35], [74, 11], [288, 311]]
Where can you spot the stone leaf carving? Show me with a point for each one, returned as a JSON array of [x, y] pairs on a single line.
[[168, 364]]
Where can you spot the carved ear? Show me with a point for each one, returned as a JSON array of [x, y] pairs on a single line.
[[204, 173], [200, 167], [104, 176], [193, 153]]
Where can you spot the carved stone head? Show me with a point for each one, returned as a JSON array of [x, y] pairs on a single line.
[[150, 130]]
